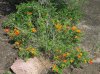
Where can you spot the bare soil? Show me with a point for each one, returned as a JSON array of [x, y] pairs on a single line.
[[91, 40]]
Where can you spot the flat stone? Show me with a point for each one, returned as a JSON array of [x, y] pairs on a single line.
[[31, 66], [97, 60]]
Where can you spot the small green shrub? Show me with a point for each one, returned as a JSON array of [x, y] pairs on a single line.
[[7, 72], [37, 27]]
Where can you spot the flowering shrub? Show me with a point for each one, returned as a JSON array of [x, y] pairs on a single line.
[[37, 27]]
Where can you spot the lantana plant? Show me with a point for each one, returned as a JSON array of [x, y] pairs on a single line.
[[36, 28]]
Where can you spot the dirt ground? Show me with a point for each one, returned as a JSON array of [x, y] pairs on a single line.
[[91, 23], [91, 41]]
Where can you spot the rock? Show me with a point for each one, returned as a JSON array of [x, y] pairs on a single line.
[[90, 26], [31, 66], [66, 71], [97, 60], [77, 71]]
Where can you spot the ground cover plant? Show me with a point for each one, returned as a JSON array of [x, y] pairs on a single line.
[[48, 27]]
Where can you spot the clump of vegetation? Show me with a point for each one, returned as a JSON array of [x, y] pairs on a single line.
[[49, 27]]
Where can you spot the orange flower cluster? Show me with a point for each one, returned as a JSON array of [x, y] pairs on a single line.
[[78, 31], [91, 61], [74, 28], [29, 13], [34, 30], [54, 68], [7, 30], [80, 55], [16, 31], [64, 61], [66, 54]]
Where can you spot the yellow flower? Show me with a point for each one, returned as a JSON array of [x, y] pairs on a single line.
[[80, 54], [71, 61], [74, 28], [78, 49], [17, 43], [68, 53], [85, 61], [58, 27], [34, 30], [76, 37], [54, 67], [32, 51], [20, 48]]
